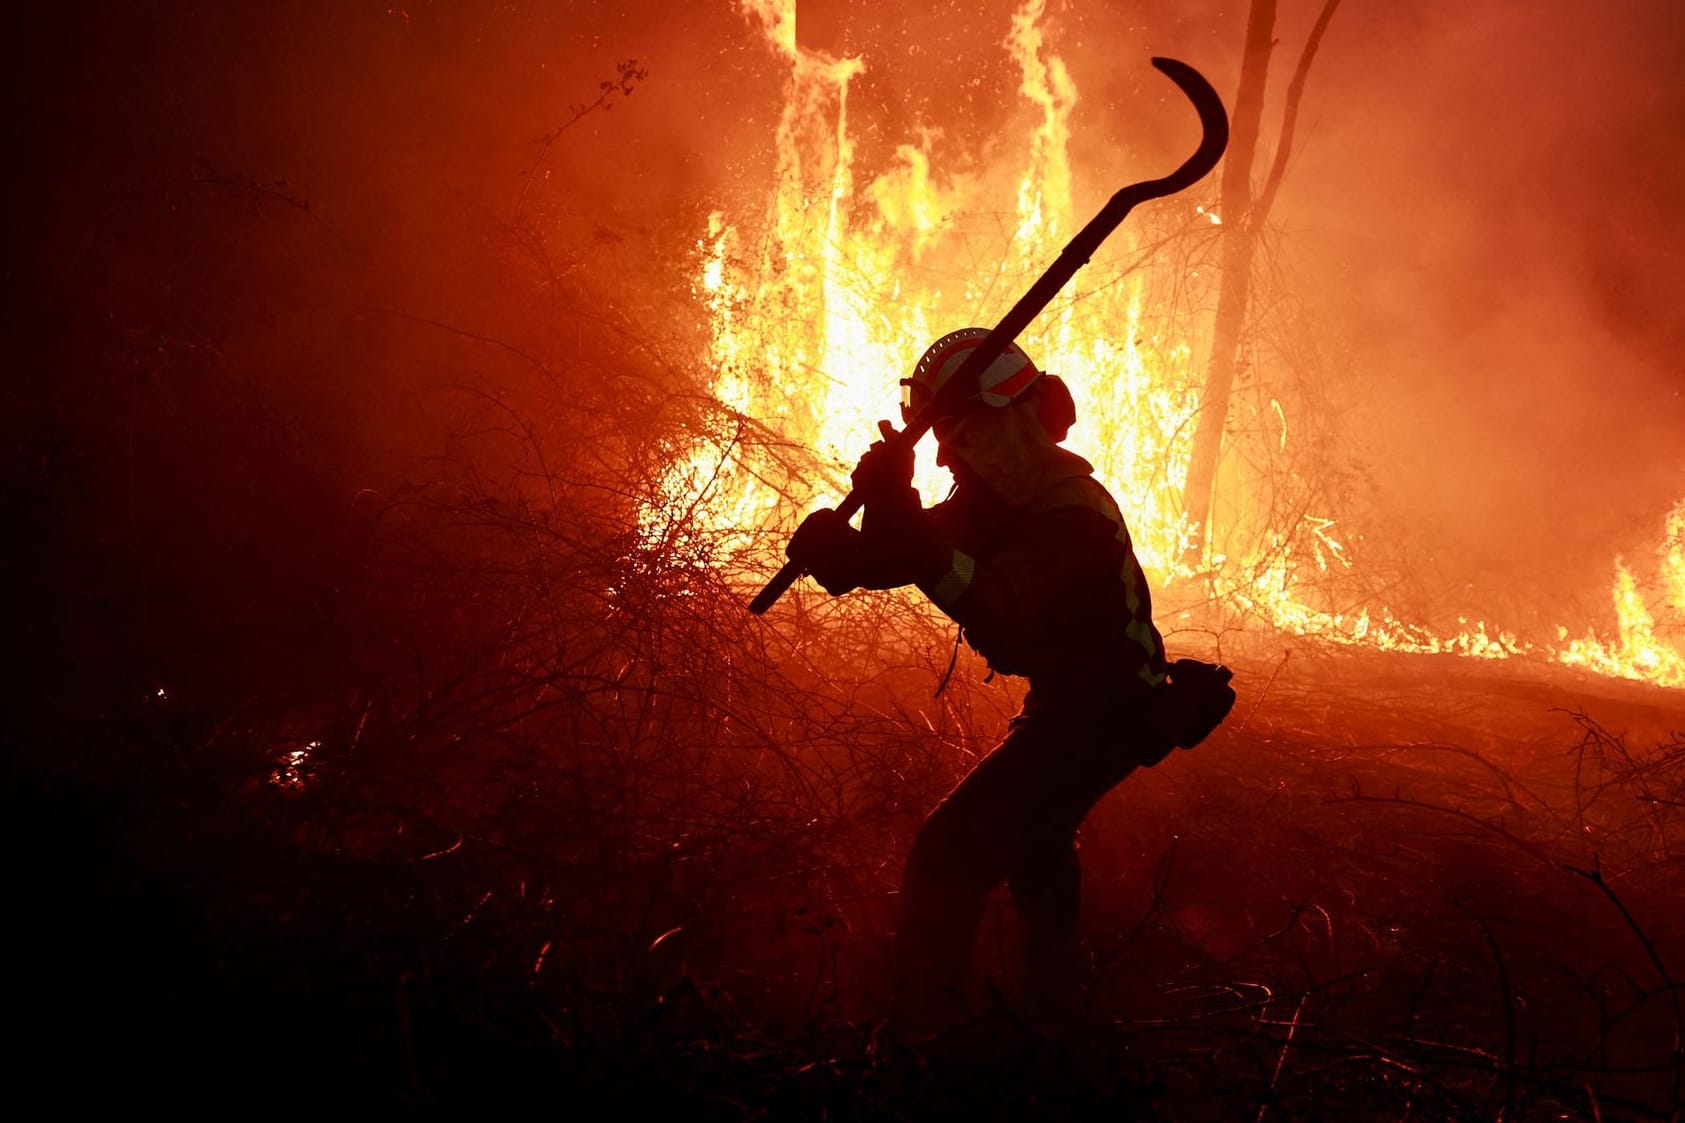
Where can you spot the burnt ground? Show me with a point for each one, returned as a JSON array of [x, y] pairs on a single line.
[[1391, 888]]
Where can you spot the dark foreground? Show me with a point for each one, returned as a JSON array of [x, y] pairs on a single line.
[[1434, 899]]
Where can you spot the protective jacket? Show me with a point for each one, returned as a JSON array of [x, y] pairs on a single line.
[[1044, 582]]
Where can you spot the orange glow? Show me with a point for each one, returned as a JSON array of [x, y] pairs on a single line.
[[817, 305]]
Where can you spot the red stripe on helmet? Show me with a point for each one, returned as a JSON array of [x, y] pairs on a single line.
[[1015, 383]]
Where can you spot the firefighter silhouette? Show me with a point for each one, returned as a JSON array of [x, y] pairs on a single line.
[[1032, 558]]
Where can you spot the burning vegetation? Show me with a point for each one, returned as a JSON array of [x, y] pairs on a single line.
[[842, 276], [411, 400]]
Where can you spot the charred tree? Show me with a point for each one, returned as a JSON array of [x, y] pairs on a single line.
[[1243, 220]]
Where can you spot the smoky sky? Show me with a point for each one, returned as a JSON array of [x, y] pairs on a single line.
[[1488, 199], [1482, 209]]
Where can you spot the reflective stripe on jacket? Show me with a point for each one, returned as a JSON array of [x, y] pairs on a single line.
[[1050, 589]]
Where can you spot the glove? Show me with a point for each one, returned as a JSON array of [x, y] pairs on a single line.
[[824, 545], [898, 531], [885, 473]]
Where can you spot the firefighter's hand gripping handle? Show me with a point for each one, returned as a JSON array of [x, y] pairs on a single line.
[[852, 502], [1215, 138]]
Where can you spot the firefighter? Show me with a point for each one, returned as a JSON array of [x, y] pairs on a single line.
[[1031, 557]]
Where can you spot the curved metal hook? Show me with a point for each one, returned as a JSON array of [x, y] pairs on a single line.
[[1212, 118], [1214, 121]]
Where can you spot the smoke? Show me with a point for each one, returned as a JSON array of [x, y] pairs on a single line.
[[1480, 213], [1483, 206], [1479, 220]]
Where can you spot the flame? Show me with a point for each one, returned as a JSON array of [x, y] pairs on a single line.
[[290, 772], [1642, 649], [813, 323], [820, 304]]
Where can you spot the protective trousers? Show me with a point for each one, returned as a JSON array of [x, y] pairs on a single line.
[[1013, 818]]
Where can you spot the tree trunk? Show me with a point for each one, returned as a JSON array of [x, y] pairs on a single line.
[[1242, 219], [1234, 208]]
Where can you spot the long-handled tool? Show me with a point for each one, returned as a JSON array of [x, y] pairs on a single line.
[[1074, 256]]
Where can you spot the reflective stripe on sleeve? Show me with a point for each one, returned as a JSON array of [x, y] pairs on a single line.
[[956, 581]]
